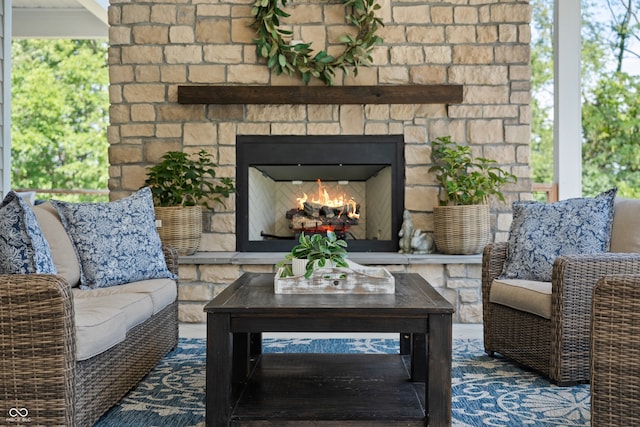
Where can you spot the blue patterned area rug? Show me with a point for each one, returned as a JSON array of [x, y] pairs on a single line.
[[486, 391]]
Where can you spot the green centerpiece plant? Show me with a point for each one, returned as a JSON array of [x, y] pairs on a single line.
[[318, 250], [462, 221]]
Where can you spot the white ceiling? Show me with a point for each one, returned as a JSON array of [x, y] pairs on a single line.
[[60, 19]]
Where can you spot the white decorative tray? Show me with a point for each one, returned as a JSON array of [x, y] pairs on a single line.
[[357, 279]]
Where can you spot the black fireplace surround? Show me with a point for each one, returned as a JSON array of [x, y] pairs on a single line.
[[334, 158]]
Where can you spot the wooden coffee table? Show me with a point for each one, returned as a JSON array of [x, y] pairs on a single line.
[[245, 387]]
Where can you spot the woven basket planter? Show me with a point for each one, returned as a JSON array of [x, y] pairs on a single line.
[[180, 227], [461, 230]]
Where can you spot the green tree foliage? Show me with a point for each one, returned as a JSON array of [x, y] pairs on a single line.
[[59, 114], [542, 88], [610, 107], [611, 129]]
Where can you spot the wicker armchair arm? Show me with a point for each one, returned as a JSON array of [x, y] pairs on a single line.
[[573, 280], [574, 276], [493, 258], [37, 347], [171, 258]]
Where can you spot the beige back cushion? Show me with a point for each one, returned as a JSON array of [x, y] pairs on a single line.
[[625, 233], [64, 256]]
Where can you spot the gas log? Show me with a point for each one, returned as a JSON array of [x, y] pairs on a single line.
[[315, 216]]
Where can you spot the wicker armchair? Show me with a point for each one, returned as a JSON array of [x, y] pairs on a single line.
[[38, 367], [557, 347], [615, 352]]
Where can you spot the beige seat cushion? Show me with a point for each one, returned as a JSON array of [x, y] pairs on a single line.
[[525, 295], [625, 232], [105, 315], [98, 328], [137, 307], [162, 291], [62, 252]]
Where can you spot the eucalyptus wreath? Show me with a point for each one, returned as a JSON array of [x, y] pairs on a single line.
[[274, 43]]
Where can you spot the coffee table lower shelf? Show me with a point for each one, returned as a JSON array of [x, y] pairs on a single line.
[[329, 390]]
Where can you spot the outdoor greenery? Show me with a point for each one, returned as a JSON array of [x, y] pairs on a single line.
[[610, 93], [59, 115], [179, 180], [466, 180]]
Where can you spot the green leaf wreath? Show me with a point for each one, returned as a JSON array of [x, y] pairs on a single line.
[[273, 43]]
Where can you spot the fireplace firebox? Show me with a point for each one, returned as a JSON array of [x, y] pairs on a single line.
[[287, 185]]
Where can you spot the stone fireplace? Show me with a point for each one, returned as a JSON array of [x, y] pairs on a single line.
[[158, 46], [287, 185]]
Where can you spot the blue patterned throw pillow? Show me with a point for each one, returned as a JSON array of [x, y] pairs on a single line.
[[23, 249], [541, 232], [116, 242]]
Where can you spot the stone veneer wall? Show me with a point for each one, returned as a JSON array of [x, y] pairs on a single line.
[[159, 44], [458, 282]]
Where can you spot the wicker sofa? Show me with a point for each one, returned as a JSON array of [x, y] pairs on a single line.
[[68, 354], [554, 339]]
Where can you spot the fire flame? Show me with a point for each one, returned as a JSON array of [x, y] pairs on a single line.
[[324, 199]]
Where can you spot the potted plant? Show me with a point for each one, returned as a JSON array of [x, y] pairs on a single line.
[[314, 251], [181, 186], [461, 221]]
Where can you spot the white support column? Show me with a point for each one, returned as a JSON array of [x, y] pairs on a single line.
[[568, 106], [5, 98]]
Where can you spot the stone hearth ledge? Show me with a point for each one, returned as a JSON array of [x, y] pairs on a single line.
[[365, 258]]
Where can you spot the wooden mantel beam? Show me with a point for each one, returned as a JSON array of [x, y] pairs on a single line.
[[399, 94]]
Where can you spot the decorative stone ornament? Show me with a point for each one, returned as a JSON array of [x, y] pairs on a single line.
[[296, 57]]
